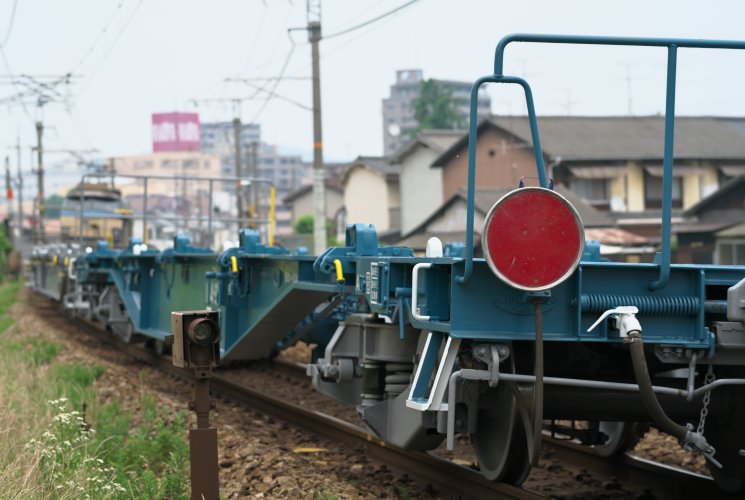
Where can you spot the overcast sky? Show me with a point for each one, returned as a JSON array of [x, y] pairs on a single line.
[[136, 57]]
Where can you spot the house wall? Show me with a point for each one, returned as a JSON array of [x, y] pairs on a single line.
[[618, 194], [304, 204], [709, 179], [500, 163], [454, 219], [366, 197], [691, 190], [420, 187], [394, 205], [635, 187]]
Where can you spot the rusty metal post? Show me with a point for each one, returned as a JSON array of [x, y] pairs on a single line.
[[196, 344], [205, 482]]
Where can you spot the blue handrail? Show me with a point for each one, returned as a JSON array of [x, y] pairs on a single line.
[[672, 45]]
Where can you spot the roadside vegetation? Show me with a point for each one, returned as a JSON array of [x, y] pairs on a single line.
[[58, 442]]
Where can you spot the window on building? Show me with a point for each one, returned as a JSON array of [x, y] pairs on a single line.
[[653, 191], [168, 164], [143, 164], [594, 191], [190, 164], [206, 164], [730, 252]]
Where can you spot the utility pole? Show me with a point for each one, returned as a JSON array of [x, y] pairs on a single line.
[[238, 167], [40, 178], [253, 202], [319, 174], [8, 196], [20, 190]]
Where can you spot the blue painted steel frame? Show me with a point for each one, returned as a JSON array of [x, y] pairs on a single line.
[[672, 44]]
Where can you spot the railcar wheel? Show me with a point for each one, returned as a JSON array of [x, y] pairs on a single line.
[[622, 436], [499, 441]]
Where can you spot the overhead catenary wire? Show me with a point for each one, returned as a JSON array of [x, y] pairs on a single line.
[[100, 35], [111, 47], [271, 93], [370, 21], [10, 23], [14, 83]]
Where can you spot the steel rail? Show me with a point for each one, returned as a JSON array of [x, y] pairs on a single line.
[[664, 481], [442, 473]]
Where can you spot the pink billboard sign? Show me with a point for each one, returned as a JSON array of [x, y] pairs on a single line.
[[176, 132]]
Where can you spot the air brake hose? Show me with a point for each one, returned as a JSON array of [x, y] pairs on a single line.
[[649, 399]]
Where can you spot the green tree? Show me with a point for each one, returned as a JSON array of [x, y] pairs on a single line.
[[436, 108], [304, 224]]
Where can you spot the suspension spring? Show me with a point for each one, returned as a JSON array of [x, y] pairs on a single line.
[[397, 378], [678, 306]]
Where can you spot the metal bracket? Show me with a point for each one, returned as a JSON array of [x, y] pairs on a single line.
[[433, 401], [414, 291], [626, 321]]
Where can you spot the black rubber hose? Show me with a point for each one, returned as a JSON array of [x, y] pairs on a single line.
[[649, 398]]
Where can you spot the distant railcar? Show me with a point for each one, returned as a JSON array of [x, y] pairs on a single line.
[[104, 215]]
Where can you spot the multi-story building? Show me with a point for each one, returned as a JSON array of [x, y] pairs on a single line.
[[398, 109], [218, 138], [286, 172]]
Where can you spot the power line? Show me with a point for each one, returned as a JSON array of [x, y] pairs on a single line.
[[10, 24], [271, 93], [111, 47], [370, 21], [100, 35], [259, 88]]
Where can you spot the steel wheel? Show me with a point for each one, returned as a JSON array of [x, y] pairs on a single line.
[[499, 441], [622, 436]]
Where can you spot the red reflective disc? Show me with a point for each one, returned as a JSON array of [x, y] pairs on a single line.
[[533, 238]]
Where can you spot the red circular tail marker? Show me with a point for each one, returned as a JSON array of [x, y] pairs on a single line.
[[533, 238]]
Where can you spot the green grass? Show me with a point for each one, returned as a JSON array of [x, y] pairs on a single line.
[[34, 350], [8, 293], [325, 495], [5, 323], [58, 442], [150, 458]]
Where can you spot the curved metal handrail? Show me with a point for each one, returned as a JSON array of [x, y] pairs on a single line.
[[672, 45]]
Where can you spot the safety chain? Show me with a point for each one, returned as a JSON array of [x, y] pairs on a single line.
[[707, 397]]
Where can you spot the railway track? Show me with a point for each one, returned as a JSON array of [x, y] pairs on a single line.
[[456, 480], [660, 481]]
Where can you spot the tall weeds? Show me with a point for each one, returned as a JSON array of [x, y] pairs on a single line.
[[57, 442]]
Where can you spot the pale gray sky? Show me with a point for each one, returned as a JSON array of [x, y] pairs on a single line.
[[158, 55]]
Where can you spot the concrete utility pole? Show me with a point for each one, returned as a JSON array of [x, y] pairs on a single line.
[[319, 174], [238, 167], [40, 178], [8, 194], [20, 190], [253, 201]]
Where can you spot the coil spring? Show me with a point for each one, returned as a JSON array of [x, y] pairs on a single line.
[[596, 303], [397, 378]]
